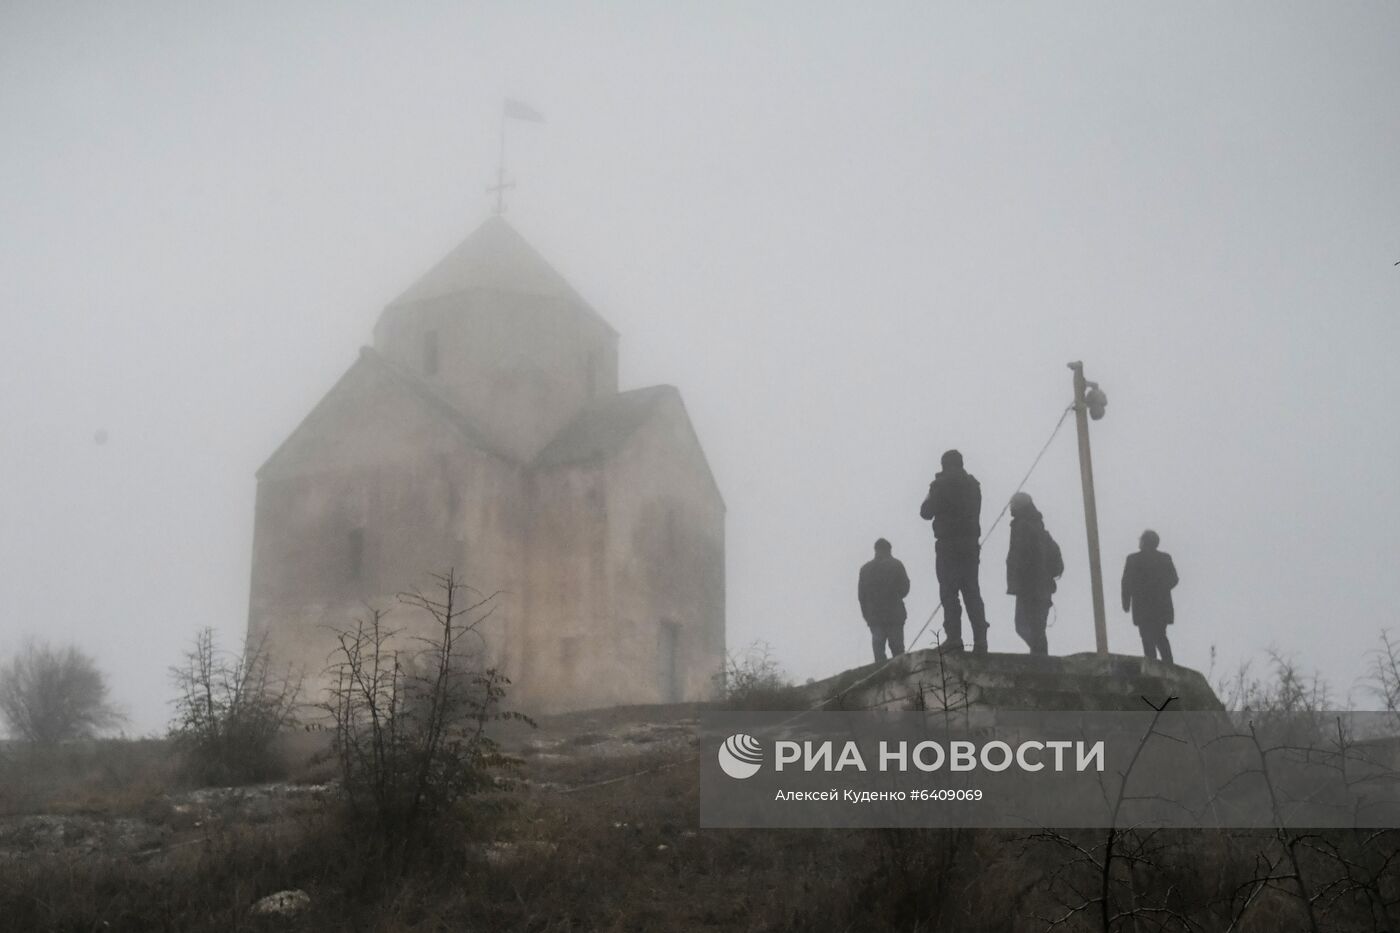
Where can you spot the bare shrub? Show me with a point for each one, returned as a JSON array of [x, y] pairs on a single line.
[[229, 711], [756, 681], [1099, 881], [50, 695], [1287, 705], [1382, 681], [410, 714]]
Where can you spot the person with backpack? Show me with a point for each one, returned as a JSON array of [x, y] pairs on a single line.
[[1148, 579], [881, 590], [1033, 561]]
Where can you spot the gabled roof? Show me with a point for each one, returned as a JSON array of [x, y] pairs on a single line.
[[494, 258], [602, 427], [434, 401], [370, 363]]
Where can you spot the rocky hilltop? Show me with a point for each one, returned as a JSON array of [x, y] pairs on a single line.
[[930, 679]]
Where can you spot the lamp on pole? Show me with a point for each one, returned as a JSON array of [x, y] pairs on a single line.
[[1089, 402]]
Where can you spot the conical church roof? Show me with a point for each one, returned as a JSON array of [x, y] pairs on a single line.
[[493, 258]]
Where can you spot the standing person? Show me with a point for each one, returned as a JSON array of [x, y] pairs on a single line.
[[1148, 578], [883, 586], [954, 503], [1033, 561]]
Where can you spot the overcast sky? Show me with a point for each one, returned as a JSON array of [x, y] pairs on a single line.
[[852, 237]]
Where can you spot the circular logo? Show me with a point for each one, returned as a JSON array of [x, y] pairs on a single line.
[[740, 756]]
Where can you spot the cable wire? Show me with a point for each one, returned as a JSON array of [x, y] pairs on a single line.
[[825, 700], [1004, 509], [1000, 515]]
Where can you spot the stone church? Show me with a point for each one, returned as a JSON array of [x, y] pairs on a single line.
[[484, 431]]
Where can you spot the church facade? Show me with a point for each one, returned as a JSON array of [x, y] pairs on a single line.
[[484, 432]]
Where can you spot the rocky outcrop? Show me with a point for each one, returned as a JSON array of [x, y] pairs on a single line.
[[933, 680], [283, 903]]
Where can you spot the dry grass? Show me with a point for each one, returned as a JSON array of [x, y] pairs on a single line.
[[109, 776], [623, 856]]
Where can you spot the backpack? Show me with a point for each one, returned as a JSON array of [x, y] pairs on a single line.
[[1054, 560]]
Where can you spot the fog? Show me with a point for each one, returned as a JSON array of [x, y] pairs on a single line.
[[852, 238]]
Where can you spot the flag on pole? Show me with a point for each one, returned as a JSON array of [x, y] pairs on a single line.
[[516, 110]]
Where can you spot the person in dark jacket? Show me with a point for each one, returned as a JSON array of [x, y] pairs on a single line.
[[954, 503], [1032, 564], [883, 586], [1148, 579]]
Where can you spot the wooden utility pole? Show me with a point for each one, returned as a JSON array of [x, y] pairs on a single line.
[[1091, 510]]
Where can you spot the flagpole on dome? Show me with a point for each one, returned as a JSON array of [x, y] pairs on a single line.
[[512, 109]]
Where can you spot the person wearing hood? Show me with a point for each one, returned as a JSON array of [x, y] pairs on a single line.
[[1148, 579], [954, 504], [881, 590], [1033, 561]]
